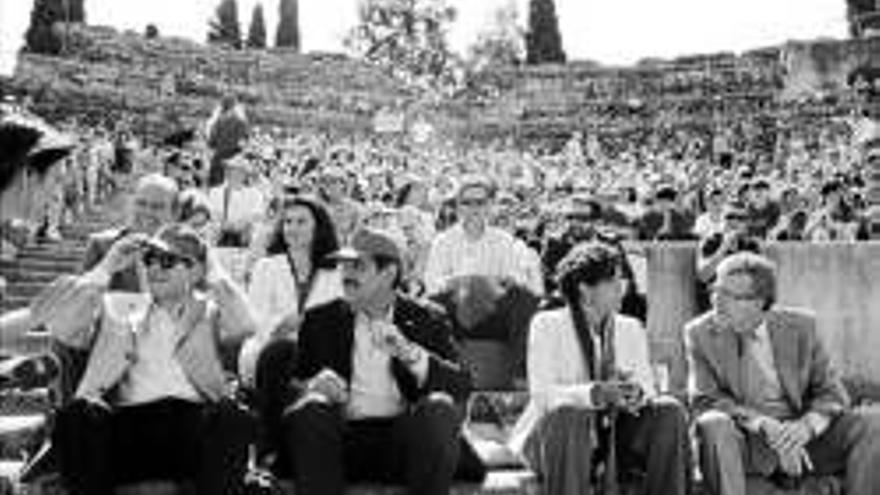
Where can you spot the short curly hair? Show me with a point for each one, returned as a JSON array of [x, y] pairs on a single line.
[[590, 263]]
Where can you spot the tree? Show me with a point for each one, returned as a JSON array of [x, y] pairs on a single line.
[[543, 41], [76, 10], [40, 36], [151, 32], [863, 15], [257, 32], [501, 43], [407, 38], [287, 33], [225, 29]]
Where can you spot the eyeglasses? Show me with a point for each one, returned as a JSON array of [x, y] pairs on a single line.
[[737, 296], [473, 201], [166, 261]]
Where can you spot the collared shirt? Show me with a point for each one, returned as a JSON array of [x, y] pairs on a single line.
[[373, 391], [761, 380], [155, 373], [453, 254]]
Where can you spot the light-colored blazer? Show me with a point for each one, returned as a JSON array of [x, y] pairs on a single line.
[[273, 295], [802, 363], [73, 309], [557, 371]]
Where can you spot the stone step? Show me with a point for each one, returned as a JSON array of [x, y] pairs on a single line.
[[33, 276], [20, 434], [47, 255], [496, 483], [63, 246], [25, 290], [40, 264], [11, 303]]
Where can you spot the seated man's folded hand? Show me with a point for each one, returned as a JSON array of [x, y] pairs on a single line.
[[328, 384]]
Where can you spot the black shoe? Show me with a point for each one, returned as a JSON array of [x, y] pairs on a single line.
[[786, 481]]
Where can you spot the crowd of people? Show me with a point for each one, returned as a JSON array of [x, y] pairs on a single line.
[[327, 284]]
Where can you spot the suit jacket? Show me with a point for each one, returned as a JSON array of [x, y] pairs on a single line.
[[805, 373], [326, 340]]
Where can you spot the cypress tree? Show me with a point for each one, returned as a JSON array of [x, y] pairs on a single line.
[[40, 37], [287, 34], [224, 29], [77, 10], [257, 31], [543, 40]]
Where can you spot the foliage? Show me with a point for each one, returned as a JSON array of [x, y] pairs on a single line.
[[151, 32], [409, 39], [287, 33], [257, 32], [543, 40], [40, 36], [77, 10], [862, 15], [224, 29], [501, 43]]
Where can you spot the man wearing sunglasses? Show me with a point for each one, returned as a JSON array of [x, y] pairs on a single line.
[[153, 402], [767, 401]]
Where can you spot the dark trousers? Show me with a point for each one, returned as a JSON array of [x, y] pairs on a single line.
[[419, 448], [169, 440], [562, 448]]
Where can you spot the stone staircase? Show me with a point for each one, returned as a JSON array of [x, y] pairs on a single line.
[[22, 419], [22, 414]]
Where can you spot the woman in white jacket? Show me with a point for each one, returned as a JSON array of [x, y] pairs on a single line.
[[294, 276]]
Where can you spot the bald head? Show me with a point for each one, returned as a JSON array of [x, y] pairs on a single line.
[[154, 203]]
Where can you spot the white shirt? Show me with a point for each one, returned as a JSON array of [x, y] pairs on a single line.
[[274, 296], [373, 391], [557, 372], [706, 225], [155, 373], [247, 205], [453, 254]]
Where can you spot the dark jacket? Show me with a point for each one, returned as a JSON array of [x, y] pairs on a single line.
[[326, 340]]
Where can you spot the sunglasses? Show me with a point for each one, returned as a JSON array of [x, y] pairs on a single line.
[[473, 201], [166, 261], [724, 291]]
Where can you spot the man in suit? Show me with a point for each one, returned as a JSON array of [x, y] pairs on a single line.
[[377, 388], [768, 401], [153, 402]]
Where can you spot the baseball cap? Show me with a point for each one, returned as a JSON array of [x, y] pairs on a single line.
[[370, 242], [180, 240]]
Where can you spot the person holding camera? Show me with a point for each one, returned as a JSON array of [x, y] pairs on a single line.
[[154, 403], [593, 397]]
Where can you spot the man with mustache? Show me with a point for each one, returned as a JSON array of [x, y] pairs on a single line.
[[376, 389]]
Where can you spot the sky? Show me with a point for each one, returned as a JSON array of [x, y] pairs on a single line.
[[614, 32]]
